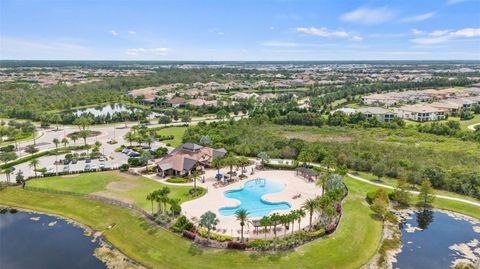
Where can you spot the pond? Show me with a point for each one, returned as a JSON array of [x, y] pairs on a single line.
[[109, 109], [435, 239], [30, 240]]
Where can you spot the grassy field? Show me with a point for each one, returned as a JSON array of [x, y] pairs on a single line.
[[177, 133], [128, 188], [352, 245], [393, 182]]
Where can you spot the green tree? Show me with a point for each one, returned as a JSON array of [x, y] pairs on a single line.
[[276, 219], [378, 170], [31, 149], [83, 122], [209, 220], [242, 217], [310, 205], [151, 198], [265, 222], [425, 196], [84, 134], [56, 142], [217, 162], [7, 156], [65, 142], [34, 163], [401, 193], [74, 138]]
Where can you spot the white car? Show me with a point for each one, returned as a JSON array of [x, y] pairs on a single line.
[[94, 167]]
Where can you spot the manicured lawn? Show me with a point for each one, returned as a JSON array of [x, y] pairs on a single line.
[[177, 133], [351, 246], [129, 188], [81, 183]]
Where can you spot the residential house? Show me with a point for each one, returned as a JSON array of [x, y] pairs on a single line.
[[421, 112], [377, 112], [187, 158]]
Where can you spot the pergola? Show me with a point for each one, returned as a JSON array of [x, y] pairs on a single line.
[[306, 173]]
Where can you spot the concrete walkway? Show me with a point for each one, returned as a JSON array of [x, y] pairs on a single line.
[[472, 127]]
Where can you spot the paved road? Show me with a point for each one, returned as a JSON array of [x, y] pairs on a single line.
[[472, 127]]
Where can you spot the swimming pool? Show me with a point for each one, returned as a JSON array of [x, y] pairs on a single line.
[[250, 197]]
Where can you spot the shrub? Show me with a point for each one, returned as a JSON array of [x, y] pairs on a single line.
[[281, 166], [182, 224], [316, 233], [134, 161], [124, 167], [330, 229], [259, 244], [8, 148], [236, 245], [215, 236], [189, 235]]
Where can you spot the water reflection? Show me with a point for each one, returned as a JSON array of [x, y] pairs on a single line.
[[424, 218]]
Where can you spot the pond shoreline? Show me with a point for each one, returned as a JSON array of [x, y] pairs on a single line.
[[110, 256]]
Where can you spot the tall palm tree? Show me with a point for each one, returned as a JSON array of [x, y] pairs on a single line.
[[151, 198], [310, 205], [264, 222], [218, 163], [74, 138], [300, 215], [64, 141], [195, 175], [242, 217], [130, 137], [285, 220], [293, 217], [56, 142], [34, 163], [275, 218]]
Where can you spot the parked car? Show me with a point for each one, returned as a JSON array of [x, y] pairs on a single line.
[[133, 154], [51, 170], [87, 167], [66, 162], [94, 167], [101, 159], [88, 160], [102, 166], [66, 169], [74, 161]]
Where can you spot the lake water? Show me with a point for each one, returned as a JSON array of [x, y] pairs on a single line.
[[109, 109], [435, 239], [26, 243]]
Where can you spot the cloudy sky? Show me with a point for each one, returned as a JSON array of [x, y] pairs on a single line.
[[240, 29]]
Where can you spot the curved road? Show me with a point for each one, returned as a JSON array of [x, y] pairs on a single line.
[[472, 127]]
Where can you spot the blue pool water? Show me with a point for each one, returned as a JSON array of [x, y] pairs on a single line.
[[250, 197]]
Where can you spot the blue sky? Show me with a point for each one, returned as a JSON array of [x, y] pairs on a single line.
[[239, 29]]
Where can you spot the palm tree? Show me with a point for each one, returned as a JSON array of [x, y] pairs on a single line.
[[64, 141], [74, 138], [130, 137], [310, 205], [195, 175], [174, 202], [8, 172], [34, 163], [323, 181], [285, 220], [275, 218], [243, 161], [218, 163], [300, 215], [84, 134], [264, 222], [151, 198], [56, 142], [293, 217], [164, 197], [242, 217]]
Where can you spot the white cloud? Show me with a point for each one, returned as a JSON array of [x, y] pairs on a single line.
[[418, 18], [132, 32], [220, 33], [151, 51], [356, 38], [368, 16], [113, 32], [438, 33], [467, 32], [417, 32], [271, 28], [430, 40], [441, 36], [279, 44], [324, 32]]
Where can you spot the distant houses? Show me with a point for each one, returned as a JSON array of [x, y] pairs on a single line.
[[422, 112]]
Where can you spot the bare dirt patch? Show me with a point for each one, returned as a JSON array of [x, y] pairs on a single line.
[[110, 195], [318, 138], [71, 176], [121, 186]]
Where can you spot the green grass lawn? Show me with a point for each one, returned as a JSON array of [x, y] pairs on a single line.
[[393, 182], [463, 123], [351, 246], [129, 188], [177, 133]]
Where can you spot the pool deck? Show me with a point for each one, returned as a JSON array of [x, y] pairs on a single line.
[[215, 199]]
